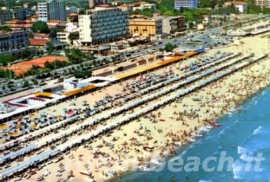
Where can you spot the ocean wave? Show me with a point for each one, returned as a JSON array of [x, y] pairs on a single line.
[[248, 158], [236, 169], [242, 150], [257, 130]]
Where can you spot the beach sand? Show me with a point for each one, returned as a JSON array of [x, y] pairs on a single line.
[[179, 120]]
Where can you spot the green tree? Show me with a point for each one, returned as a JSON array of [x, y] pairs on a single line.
[[190, 24], [26, 53], [35, 81], [40, 27], [76, 56], [82, 74], [189, 16], [73, 36], [169, 47], [6, 73], [50, 47], [144, 12], [25, 84], [169, 13], [5, 28], [5, 59]]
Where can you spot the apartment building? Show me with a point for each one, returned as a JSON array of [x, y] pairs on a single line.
[[147, 27], [13, 42], [263, 3], [52, 10], [64, 35], [172, 24], [102, 25], [5, 15], [185, 4]]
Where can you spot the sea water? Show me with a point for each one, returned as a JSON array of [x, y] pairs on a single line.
[[242, 136]]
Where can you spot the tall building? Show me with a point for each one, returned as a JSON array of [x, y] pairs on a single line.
[[5, 15], [52, 10], [185, 4], [263, 3], [102, 25]]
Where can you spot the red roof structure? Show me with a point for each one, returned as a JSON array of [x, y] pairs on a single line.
[[38, 42]]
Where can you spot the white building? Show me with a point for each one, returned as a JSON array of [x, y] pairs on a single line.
[[72, 9], [239, 5], [63, 36], [71, 27], [102, 25], [185, 4], [146, 6]]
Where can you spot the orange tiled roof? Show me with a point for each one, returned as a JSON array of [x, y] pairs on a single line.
[[19, 25], [235, 3], [239, 3], [38, 42], [54, 21]]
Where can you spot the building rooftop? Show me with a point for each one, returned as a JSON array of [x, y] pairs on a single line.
[[72, 15], [38, 42], [54, 21], [235, 3], [170, 17], [41, 35]]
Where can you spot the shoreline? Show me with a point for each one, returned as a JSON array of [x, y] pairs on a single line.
[[176, 120], [181, 149]]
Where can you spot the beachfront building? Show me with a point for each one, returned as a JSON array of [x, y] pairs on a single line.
[[102, 25], [14, 42], [147, 27], [239, 5], [52, 10], [63, 36], [173, 24], [263, 3], [185, 4]]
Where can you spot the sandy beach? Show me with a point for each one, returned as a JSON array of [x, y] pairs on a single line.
[[161, 132]]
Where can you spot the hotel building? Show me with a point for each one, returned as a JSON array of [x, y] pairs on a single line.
[[145, 27], [185, 4], [263, 3], [52, 10], [102, 25]]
